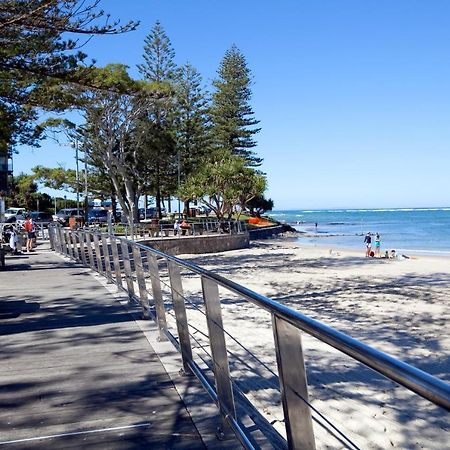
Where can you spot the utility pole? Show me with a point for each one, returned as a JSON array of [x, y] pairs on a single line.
[[86, 200], [179, 179], [78, 177]]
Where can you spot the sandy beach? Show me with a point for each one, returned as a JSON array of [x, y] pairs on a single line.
[[399, 306]]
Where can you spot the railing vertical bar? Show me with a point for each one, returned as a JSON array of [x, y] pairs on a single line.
[[76, 253], [60, 234], [81, 235], [152, 264], [180, 314], [143, 295], [98, 255], [106, 255], [293, 385], [74, 239], [116, 261], [63, 241], [69, 243], [218, 351], [127, 266], [51, 237], [67, 248], [89, 240]]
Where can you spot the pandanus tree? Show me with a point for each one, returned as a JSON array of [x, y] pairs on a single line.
[[223, 182]]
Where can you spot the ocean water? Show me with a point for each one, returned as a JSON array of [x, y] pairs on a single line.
[[417, 230]]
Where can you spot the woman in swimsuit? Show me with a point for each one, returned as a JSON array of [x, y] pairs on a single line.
[[377, 245]]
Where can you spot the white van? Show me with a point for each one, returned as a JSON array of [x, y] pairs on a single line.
[[18, 213]]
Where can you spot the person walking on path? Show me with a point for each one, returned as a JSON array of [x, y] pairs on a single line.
[[378, 245], [368, 242]]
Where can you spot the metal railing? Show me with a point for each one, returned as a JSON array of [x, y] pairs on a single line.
[[128, 264], [160, 230], [40, 228]]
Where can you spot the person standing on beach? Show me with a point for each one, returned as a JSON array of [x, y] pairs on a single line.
[[368, 242], [378, 245]]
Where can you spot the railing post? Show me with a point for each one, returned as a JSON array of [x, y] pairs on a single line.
[[66, 243], [62, 238], [76, 240], [60, 234], [51, 237], [218, 352], [89, 238], [98, 254], [106, 257], [293, 385], [180, 314], [153, 270], [69, 243], [116, 261], [127, 266], [143, 295], [73, 240], [82, 247]]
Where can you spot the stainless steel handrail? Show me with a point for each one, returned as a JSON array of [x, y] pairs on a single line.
[[417, 381]]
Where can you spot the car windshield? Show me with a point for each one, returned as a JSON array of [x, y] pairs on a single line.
[[40, 215]]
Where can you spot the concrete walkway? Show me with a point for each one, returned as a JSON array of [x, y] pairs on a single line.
[[76, 368]]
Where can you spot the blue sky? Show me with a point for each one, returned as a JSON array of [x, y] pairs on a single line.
[[353, 96]]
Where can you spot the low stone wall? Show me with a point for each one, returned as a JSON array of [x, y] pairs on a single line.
[[268, 232], [198, 244]]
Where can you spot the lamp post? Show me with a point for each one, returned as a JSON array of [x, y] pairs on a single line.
[[86, 200], [77, 177], [179, 179]]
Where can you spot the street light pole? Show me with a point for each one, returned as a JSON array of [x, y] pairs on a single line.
[[78, 177], [179, 179], [86, 200]]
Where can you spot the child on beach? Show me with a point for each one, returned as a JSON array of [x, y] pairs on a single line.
[[377, 245]]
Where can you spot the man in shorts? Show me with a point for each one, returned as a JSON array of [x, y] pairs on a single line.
[[368, 242], [31, 234]]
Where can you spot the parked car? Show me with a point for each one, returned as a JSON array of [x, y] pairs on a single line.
[[40, 216], [97, 216], [151, 213], [14, 214], [63, 215]]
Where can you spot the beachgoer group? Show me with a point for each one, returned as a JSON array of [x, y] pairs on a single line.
[[368, 242]]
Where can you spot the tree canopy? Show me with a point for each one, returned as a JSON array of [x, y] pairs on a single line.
[[231, 113], [40, 51], [141, 136], [222, 182]]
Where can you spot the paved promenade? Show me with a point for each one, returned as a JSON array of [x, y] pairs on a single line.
[[77, 370]]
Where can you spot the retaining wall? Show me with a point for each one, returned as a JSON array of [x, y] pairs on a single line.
[[268, 232], [198, 244]]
